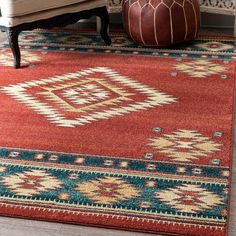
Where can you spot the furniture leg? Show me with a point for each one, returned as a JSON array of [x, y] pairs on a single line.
[[104, 16], [56, 21], [12, 35], [98, 24]]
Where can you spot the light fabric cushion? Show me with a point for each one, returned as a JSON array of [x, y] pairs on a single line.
[[12, 8], [81, 6]]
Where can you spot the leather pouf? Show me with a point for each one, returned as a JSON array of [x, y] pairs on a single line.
[[161, 22]]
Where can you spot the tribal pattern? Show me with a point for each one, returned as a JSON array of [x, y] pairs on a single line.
[[86, 182], [83, 97], [200, 68], [203, 47], [120, 136], [6, 58], [185, 145]]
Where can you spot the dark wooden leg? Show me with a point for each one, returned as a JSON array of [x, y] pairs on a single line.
[[12, 35], [61, 20], [104, 16]]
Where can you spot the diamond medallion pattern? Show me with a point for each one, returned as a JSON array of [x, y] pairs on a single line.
[[185, 145], [86, 96], [200, 68], [189, 198], [108, 190], [121, 137], [29, 183], [214, 46], [6, 58]]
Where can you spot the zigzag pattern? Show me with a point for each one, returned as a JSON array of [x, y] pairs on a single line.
[[58, 116]]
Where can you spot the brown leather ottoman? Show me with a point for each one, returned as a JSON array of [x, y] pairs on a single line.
[[161, 22]]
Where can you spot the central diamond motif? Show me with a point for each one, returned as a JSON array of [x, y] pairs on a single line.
[[185, 145], [108, 190], [214, 46], [200, 68], [32, 182], [27, 57], [189, 198], [86, 96]]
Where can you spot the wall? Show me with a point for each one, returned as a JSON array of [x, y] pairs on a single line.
[[208, 20], [213, 20]]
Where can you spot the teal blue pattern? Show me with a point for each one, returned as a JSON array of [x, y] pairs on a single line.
[[91, 42]]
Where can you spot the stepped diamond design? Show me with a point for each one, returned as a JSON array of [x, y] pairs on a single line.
[[108, 190], [214, 46], [30, 37], [200, 68], [74, 39], [29, 183], [189, 198], [86, 96], [185, 145], [27, 57]]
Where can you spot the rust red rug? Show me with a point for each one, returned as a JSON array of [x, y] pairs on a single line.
[[142, 143]]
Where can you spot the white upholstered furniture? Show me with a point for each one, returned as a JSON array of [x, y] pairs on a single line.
[[19, 15]]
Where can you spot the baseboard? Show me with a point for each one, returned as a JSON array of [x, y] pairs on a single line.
[[217, 26]]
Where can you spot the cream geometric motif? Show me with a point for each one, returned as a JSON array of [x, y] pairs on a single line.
[[120, 41], [30, 37], [214, 46], [27, 57], [185, 145], [86, 96], [29, 183], [200, 68], [73, 39], [189, 198], [108, 190]]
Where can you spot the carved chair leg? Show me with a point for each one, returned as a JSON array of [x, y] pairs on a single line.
[[13, 35], [104, 16], [62, 20]]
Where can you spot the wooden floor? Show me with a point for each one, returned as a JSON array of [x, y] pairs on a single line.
[[18, 227]]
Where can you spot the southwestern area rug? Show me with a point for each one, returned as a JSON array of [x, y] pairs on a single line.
[[120, 137]]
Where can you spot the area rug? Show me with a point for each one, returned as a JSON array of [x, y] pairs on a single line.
[[124, 138]]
